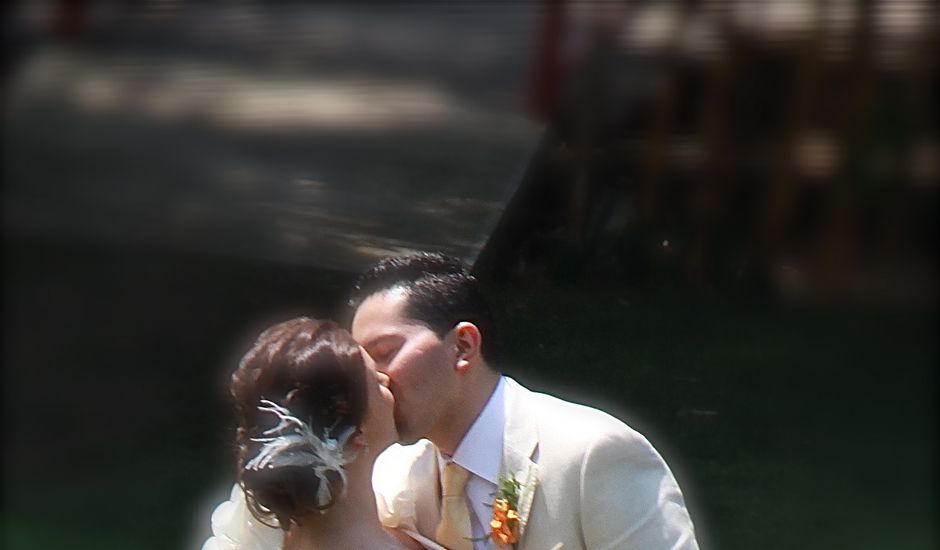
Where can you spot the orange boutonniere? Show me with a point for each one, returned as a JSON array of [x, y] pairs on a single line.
[[504, 527]]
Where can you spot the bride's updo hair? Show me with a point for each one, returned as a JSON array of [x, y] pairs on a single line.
[[312, 370]]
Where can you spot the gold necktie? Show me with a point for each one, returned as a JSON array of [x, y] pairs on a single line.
[[454, 529]]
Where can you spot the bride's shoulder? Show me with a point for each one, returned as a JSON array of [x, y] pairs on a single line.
[[235, 528], [405, 481], [407, 455], [399, 467]]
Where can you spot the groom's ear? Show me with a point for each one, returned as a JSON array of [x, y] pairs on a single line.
[[468, 339]]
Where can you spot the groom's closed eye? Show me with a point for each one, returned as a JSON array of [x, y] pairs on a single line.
[[384, 349], [384, 356]]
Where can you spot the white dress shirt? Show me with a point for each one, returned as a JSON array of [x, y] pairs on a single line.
[[480, 452]]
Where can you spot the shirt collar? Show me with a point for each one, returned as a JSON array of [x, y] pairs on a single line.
[[481, 449]]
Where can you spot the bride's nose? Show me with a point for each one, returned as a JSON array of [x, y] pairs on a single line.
[[383, 378]]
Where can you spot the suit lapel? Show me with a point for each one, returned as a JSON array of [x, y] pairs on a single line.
[[520, 441]]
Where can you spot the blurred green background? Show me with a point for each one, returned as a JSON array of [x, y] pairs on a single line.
[[717, 220], [787, 426]]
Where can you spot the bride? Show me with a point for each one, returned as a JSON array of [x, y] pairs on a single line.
[[313, 414]]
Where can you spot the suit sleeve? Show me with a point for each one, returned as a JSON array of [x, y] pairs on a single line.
[[629, 499]]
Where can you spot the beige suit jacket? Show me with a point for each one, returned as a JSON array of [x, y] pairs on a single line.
[[590, 481]]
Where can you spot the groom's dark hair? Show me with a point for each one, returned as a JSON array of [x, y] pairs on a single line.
[[440, 292]]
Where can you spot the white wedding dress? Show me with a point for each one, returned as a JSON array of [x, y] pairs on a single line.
[[234, 528]]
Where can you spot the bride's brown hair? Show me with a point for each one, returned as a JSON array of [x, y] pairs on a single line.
[[316, 371]]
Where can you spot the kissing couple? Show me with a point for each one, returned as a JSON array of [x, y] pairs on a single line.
[[402, 433]]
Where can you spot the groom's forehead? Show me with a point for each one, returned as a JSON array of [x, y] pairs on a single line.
[[380, 313], [384, 304]]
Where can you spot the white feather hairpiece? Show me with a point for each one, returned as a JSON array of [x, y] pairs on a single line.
[[293, 443]]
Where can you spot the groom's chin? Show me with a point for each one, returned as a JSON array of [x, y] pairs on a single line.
[[405, 435], [405, 438]]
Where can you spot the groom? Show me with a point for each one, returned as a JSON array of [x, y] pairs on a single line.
[[569, 476]]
